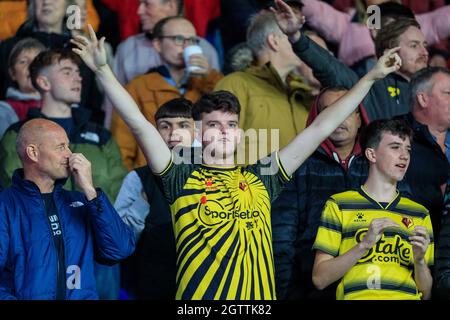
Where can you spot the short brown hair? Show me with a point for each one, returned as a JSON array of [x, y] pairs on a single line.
[[217, 100], [371, 135], [388, 36], [48, 58]]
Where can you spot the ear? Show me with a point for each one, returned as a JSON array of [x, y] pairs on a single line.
[[272, 42], [157, 45], [12, 74], [422, 99], [43, 83], [32, 152], [370, 155], [358, 119]]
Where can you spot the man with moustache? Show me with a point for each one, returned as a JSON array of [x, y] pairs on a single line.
[[388, 97]]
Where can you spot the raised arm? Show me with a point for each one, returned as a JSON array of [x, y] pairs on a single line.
[[435, 25], [92, 52], [304, 144], [326, 68], [327, 20]]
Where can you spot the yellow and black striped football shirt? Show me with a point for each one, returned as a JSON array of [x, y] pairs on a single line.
[[222, 225], [385, 272]]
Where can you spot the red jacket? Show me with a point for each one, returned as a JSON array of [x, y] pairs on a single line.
[[126, 11]]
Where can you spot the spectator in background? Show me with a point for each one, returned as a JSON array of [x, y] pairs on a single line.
[[270, 94], [46, 22], [60, 232], [235, 17], [168, 81], [137, 55], [336, 166], [354, 38], [21, 96], [150, 272], [429, 171], [439, 58], [389, 97]]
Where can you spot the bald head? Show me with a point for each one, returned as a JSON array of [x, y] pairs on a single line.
[[34, 132]]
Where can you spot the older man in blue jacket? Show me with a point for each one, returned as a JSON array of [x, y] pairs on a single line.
[[49, 237]]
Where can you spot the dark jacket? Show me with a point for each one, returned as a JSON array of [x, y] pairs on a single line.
[[28, 260], [88, 138], [442, 265], [296, 214], [428, 170], [151, 271], [387, 97], [90, 95]]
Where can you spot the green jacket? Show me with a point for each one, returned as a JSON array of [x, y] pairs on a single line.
[[90, 139], [267, 103], [387, 98]]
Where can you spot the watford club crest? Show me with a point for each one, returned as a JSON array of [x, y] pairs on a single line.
[[243, 185], [407, 222]]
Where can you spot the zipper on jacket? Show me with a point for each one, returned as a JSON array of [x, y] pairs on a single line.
[[54, 246]]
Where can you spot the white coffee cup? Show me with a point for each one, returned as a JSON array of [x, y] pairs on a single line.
[[188, 51]]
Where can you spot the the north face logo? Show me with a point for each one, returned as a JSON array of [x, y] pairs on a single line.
[[76, 204]]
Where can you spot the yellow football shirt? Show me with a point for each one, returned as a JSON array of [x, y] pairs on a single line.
[[385, 272], [222, 225]]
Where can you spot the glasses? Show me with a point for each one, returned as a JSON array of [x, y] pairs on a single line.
[[180, 40]]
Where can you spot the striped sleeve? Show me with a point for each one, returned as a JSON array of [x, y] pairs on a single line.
[[329, 234], [272, 174], [173, 179], [429, 255]]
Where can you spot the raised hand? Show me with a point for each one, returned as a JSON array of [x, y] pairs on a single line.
[[389, 62], [287, 20], [376, 229], [419, 241], [82, 173], [201, 61], [91, 51]]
